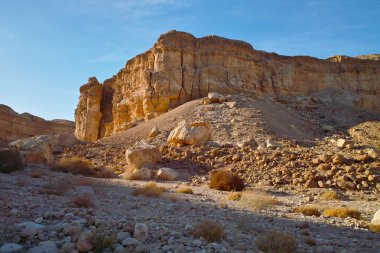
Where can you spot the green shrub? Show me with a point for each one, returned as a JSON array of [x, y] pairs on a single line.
[[9, 161]]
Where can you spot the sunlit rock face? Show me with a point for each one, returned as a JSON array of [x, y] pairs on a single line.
[[181, 67]]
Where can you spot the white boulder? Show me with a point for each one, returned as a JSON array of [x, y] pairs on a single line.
[[167, 174], [140, 154], [197, 133]]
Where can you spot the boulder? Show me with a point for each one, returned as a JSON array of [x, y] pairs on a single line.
[[10, 248], [271, 144], [142, 153], [215, 97], [154, 132], [167, 174], [341, 143], [140, 174], [197, 133], [44, 247], [376, 218], [247, 143], [41, 149]]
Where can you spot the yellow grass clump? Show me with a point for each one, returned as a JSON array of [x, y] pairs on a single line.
[[277, 242], [185, 190], [307, 210], [209, 230], [330, 195], [342, 212], [234, 196], [224, 180], [150, 189], [257, 200]]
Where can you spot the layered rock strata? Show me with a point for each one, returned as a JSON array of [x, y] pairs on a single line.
[[181, 67], [15, 126]]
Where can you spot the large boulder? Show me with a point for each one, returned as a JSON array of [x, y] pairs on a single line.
[[197, 133], [142, 153], [41, 149], [376, 218]]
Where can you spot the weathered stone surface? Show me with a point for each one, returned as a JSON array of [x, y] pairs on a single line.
[[181, 67], [14, 126], [140, 154], [41, 149], [167, 174], [10, 248], [376, 218], [44, 247], [88, 114], [197, 133]]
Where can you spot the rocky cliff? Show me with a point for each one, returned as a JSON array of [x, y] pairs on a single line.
[[15, 126], [181, 67]]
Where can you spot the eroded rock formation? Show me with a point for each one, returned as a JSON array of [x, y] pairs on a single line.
[[181, 67], [15, 126]]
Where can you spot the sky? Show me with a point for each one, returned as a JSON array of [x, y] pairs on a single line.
[[49, 48]]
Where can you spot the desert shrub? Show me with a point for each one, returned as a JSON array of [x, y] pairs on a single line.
[[185, 190], [307, 210], [342, 212], [9, 161], [85, 181], [100, 188], [209, 230], [37, 173], [374, 228], [329, 195], [226, 181], [75, 165], [105, 173], [150, 189], [83, 201], [277, 242], [102, 240], [234, 196], [310, 241], [57, 187], [257, 200]]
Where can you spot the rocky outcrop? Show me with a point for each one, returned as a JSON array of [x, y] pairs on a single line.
[[181, 67], [15, 126]]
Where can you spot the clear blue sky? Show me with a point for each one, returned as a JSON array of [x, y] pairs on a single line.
[[48, 48]]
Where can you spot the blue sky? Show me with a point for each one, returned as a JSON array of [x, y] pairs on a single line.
[[49, 48]]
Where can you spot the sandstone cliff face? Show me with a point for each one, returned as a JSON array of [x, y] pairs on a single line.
[[15, 126], [181, 67]]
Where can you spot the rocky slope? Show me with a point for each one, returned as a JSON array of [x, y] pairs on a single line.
[[181, 67], [15, 126]]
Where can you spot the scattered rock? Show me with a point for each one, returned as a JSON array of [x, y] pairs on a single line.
[[142, 153], [376, 218], [198, 133], [10, 248], [167, 174], [154, 132], [44, 247]]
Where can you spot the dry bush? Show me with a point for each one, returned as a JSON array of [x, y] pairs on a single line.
[[58, 187], [37, 173], [310, 241], [105, 173], [102, 240], [342, 212], [75, 165], [277, 242], [374, 228], [185, 190], [85, 181], [209, 230], [9, 161], [150, 189], [258, 200], [234, 196], [226, 181], [330, 195], [100, 188], [307, 210], [83, 201]]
